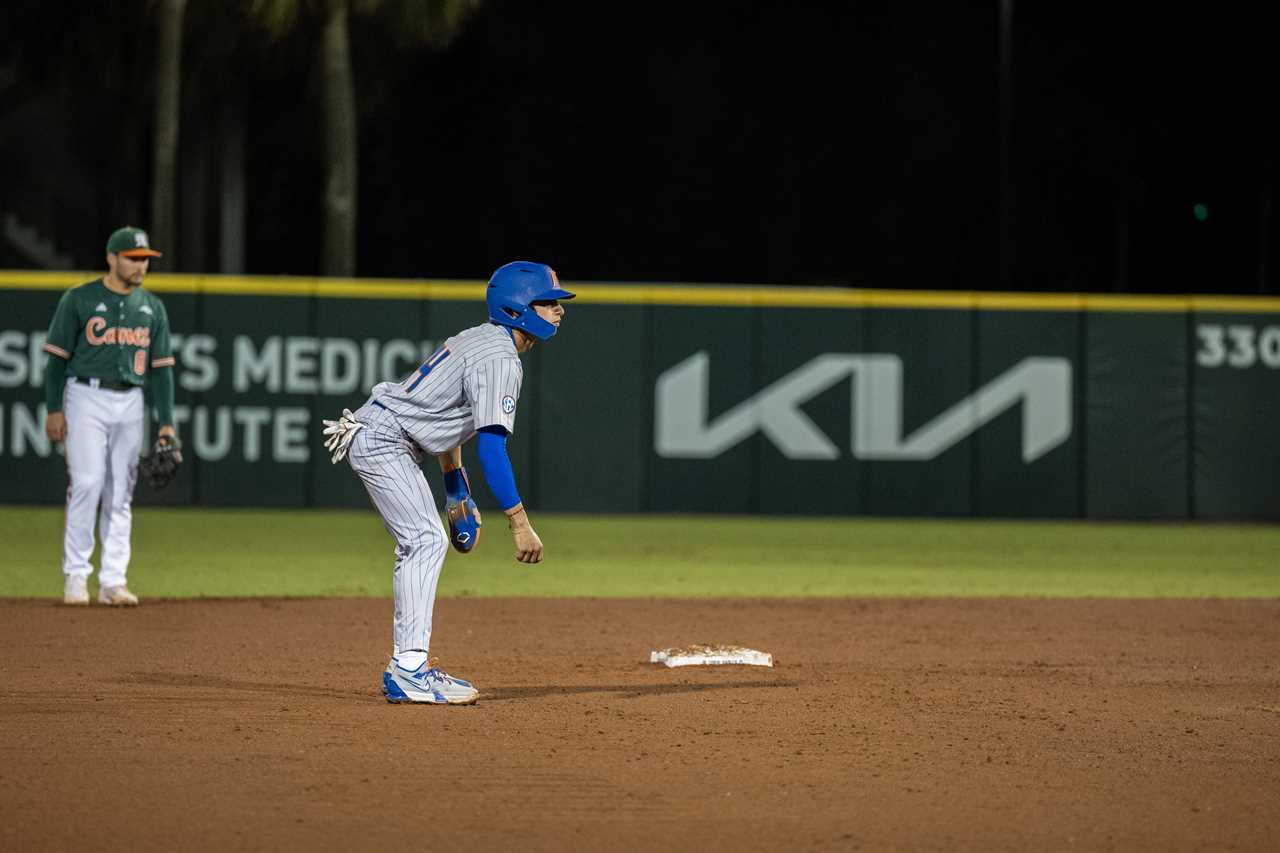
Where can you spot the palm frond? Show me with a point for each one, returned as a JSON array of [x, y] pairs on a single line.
[[432, 22], [280, 17]]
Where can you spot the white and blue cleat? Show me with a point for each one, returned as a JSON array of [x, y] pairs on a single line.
[[427, 684]]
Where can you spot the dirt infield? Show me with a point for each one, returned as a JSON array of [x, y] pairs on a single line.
[[888, 724]]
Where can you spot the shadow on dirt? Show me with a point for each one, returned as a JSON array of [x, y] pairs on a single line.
[[625, 691], [204, 681], [493, 694]]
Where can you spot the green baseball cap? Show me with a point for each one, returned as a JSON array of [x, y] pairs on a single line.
[[132, 243]]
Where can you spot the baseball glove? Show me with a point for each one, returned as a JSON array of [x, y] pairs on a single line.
[[464, 518], [161, 465]]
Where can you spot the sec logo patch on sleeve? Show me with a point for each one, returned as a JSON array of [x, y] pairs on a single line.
[[508, 404]]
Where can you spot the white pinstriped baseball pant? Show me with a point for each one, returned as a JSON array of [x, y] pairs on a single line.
[[388, 463]]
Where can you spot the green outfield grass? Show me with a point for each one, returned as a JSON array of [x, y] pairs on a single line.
[[205, 552]]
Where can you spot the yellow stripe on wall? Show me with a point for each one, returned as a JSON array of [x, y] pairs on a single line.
[[692, 295]]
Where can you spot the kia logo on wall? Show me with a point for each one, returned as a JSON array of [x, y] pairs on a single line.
[[1042, 386]]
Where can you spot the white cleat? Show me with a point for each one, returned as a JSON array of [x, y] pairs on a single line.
[[76, 591], [427, 684], [116, 596]]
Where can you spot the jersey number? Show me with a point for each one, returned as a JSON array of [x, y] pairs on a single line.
[[427, 366], [140, 362]]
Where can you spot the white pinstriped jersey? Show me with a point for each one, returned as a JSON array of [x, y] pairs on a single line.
[[472, 381]]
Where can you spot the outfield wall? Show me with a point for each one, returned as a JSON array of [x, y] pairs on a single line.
[[723, 399]]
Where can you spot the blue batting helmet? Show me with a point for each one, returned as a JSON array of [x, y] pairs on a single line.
[[514, 287]]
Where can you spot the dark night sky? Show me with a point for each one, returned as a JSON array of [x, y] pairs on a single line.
[[844, 143]]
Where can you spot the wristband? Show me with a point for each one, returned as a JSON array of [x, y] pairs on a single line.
[[456, 485]]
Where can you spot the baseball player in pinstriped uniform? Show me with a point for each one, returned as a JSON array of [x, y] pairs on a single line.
[[107, 339], [468, 387]]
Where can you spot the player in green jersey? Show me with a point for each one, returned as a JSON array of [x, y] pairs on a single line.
[[108, 339]]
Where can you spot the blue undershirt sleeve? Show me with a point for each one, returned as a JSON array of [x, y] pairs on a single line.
[[491, 446]]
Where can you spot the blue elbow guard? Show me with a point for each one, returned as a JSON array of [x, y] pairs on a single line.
[[464, 524], [464, 521]]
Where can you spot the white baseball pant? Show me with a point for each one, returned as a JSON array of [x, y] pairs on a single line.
[[104, 436]]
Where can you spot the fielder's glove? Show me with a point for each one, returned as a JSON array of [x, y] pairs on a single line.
[[161, 466], [464, 518], [340, 433]]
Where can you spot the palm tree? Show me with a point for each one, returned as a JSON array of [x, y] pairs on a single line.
[[432, 22], [163, 225], [341, 143], [52, 108]]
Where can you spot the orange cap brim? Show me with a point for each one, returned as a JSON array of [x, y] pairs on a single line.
[[142, 253]]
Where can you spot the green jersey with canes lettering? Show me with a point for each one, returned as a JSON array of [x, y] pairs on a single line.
[[112, 337]]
